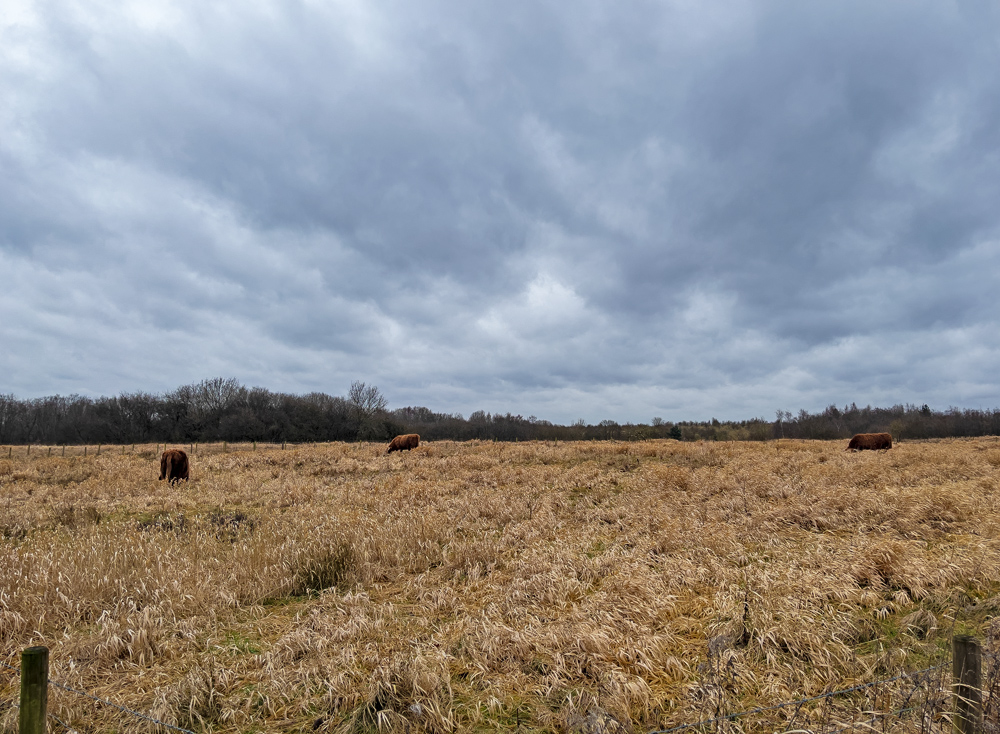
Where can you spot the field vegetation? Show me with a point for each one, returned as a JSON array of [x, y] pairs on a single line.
[[585, 586]]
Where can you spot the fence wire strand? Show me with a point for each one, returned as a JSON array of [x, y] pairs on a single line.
[[801, 701], [876, 717], [728, 717], [62, 723], [91, 696]]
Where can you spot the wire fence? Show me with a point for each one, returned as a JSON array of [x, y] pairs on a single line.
[[919, 679], [146, 450], [919, 701], [99, 700]]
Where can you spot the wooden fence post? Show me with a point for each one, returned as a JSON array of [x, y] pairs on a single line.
[[34, 690], [967, 670]]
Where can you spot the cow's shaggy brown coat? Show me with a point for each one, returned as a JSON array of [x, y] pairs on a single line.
[[404, 443], [870, 441], [174, 466]]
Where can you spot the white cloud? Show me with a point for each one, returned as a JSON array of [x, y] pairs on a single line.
[[662, 210]]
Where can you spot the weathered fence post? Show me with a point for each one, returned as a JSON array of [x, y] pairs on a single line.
[[34, 690], [967, 670]]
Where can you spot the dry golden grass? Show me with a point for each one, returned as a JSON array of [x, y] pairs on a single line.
[[483, 586]]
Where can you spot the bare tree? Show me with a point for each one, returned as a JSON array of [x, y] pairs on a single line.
[[218, 395], [366, 399], [369, 407]]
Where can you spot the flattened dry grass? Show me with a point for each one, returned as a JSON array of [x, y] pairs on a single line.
[[481, 586]]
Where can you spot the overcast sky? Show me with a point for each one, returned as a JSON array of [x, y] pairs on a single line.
[[573, 210]]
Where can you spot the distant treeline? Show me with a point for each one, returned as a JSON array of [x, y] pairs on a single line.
[[224, 410]]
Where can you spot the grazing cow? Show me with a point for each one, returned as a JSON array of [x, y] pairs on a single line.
[[870, 441], [174, 466], [404, 443]]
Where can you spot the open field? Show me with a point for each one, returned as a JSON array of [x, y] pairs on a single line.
[[482, 586]]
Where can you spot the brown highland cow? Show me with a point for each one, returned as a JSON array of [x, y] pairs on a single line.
[[404, 443], [870, 441], [174, 466]]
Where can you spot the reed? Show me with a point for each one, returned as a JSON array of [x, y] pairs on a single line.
[[473, 586]]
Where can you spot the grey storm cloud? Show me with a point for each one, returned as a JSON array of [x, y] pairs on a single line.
[[598, 210]]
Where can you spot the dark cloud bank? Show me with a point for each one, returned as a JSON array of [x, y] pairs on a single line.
[[604, 211]]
